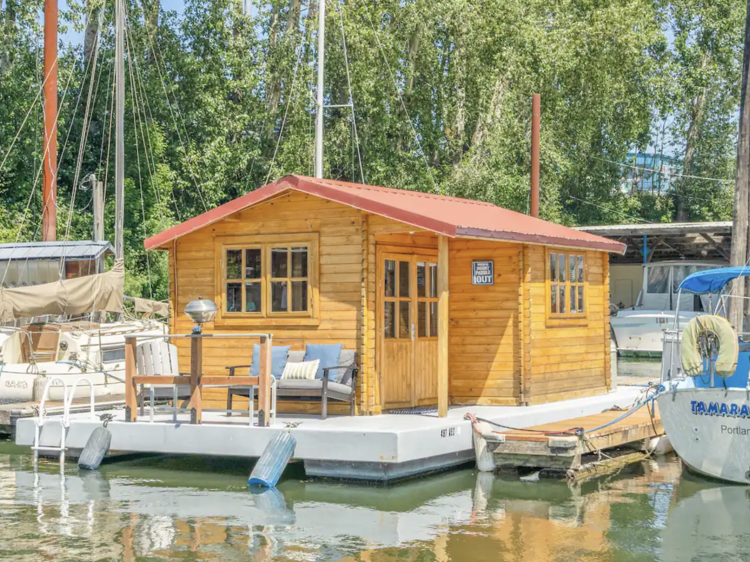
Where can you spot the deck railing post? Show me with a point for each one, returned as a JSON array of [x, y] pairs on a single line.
[[264, 382], [196, 366], [131, 400]]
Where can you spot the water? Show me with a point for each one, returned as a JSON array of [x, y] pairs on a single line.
[[177, 508], [649, 368]]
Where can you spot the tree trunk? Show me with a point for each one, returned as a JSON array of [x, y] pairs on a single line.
[[414, 40], [8, 11], [739, 228], [459, 128], [487, 119], [694, 131], [89, 35]]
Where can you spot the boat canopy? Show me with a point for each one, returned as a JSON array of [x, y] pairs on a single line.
[[713, 280]]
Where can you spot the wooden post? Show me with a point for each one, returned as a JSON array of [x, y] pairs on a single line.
[[443, 319], [49, 153], [264, 382], [196, 366], [536, 112], [741, 187], [131, 400]]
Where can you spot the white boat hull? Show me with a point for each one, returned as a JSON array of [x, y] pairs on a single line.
[[709, 429], [17, 382], [641, 332]]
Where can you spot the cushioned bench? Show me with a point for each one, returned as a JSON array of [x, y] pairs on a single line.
[[312, 390]]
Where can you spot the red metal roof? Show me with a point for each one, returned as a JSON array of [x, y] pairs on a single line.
[[450, 216]]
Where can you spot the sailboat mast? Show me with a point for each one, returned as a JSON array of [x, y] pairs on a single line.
[[49, 186], [321, 78], [119, 128]]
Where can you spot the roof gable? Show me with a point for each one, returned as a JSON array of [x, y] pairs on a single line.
[[450, 216]]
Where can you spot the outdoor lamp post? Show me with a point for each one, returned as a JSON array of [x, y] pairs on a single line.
[[199, 311]]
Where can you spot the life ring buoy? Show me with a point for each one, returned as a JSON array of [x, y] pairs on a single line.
[[726, 361]]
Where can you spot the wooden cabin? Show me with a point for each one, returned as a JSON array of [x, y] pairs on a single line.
[[446, 300]]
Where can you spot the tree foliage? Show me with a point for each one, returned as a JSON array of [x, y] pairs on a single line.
[[220, 102]]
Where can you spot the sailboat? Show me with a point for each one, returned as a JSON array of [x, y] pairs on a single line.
[[60, 338]]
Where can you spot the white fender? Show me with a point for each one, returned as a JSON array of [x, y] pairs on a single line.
[[485, 459]]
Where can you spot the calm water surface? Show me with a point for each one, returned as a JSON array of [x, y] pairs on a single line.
[[177, 508]]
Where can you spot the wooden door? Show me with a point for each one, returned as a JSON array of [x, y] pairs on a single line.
[[407, 328]]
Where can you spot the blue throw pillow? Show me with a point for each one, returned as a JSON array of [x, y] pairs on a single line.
[[279, 356], [329, 356]]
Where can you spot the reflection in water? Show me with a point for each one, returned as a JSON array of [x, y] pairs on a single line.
[[195, 509]]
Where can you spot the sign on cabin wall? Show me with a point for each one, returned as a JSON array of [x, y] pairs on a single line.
[[483, 273]]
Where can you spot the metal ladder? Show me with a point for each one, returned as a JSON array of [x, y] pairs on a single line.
[[64, 420]]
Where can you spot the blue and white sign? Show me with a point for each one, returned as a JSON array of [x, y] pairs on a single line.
[[483, 273]]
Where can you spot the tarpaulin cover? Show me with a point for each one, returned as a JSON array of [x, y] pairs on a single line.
[[92, 293], [713, 280]]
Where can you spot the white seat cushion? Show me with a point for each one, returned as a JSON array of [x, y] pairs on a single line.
[[305, 370]]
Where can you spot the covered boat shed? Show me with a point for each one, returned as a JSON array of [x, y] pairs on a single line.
[[445, 300]]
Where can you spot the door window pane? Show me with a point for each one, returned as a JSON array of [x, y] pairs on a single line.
[[433, 319], [433, 280], [252, 297], [234, 297], [390, 320], [553, 300], [561, 271], [421, 279], [279, 263], [278, 296], [390, 278], [299, 262], [404, 320], [252, 264], [573, 293], [404, 279], [299, 296], [561, 300], [580, 298], [572, 265], [553, 267], [422, 319], [234, 264], [579, 260]]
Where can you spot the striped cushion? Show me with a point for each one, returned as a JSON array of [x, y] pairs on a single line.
[[303, 370]]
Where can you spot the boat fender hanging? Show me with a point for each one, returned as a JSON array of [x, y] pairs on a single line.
[[726, 360], [273, 461], [96, 448]]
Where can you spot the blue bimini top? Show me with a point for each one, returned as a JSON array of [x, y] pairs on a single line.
[[713, 280]]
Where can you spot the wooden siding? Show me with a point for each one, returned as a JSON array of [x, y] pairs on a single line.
[[484, 352], [567, 360], [340, 280]]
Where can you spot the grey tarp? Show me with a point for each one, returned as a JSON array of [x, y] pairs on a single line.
[[92, 293]]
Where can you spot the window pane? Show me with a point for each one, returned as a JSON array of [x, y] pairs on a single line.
[[252, 297], [278, 296], [390, 278], [299, 262], [553, 300], [561, 299], [404, 319], [390, 320], [433, 280], [580, 298], [579, 259], [252, 264], [234, 264], [234, 297], [561, 271], [421, 279], [572, 266], [573, 293], [553, 267], [299, 296], [433, 319], [657, 280], [422, 319], [279, 263], [404, 279]]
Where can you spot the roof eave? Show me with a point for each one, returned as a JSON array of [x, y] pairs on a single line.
[[603, 245]]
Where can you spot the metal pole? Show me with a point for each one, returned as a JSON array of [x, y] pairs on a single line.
[[119, 128], [536, 116], [49, 188], [321, 78]]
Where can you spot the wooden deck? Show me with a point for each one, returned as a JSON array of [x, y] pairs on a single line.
[[556, 446]]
